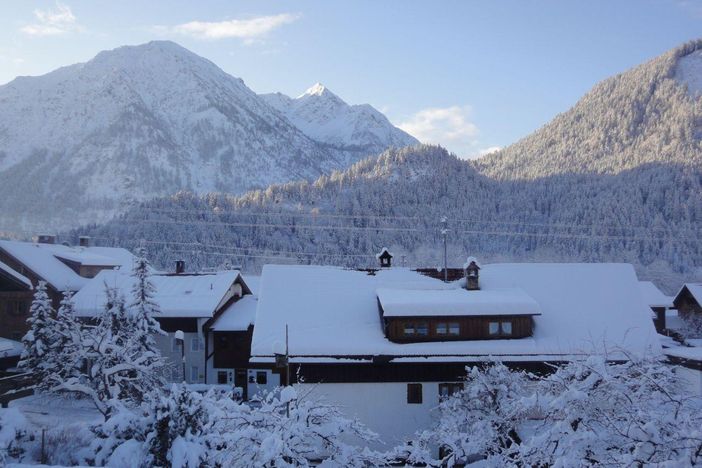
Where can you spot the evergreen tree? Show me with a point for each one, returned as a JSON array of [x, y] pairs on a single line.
[[65, 355], [38, 339], [143, 307]]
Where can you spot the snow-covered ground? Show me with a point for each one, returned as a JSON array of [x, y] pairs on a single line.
[[64, 420]]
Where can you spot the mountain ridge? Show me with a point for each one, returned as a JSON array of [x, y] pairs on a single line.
[[143, 121]]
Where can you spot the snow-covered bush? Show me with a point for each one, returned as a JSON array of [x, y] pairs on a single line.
[[634, 413], [289, 430], [170, 428], [591, 412], [13, 427], [482, 420]]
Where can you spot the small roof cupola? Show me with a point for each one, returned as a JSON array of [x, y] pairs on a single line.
[[472, 271], [385, 258]]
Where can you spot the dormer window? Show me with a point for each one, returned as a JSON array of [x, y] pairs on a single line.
[[416, 329], [501, 328]]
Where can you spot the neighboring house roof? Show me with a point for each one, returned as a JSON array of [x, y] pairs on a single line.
[[5, 269], [653, 296], [332, 313], [695, 290], [455, 302], [239, 316], [10, 348], [44, 260], [186, 295], [253, 282]]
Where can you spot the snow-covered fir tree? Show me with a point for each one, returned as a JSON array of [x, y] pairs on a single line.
[[37, 341], [65, 356], [118, 370], [143, 308]]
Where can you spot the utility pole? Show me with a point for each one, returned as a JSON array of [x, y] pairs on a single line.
[[444, 234], [287, 369]]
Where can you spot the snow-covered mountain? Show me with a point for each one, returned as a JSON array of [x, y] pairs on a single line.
[[79, 143], [616, 178], [325, 117]]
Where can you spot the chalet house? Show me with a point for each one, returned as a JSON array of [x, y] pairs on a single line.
[[387, 344], [24, 264], [189, 303], [658, 302], [689, 299]]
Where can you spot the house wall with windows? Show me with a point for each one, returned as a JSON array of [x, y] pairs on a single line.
[[390, 409], [194, 357]]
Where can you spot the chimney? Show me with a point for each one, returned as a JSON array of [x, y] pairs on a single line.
[[472, 271], [385, 258], [84, 241], [180, 267], [46, 239]]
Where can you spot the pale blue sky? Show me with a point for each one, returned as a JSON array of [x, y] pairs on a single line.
[[469, 74]]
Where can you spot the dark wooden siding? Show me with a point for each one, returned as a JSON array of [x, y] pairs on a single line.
[[232, 349], [471, 328], [170, 324], [406, 372], [686, 303]]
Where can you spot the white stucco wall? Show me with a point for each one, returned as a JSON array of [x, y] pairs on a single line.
[[383, 407], [192, 358]]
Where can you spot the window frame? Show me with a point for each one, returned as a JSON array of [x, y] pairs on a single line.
[[194, 374], [451, 388], [500, 332], [259, 380], [441, 328], [454, 326], [414, 394]]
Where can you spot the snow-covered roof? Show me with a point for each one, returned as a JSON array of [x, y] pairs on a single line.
[[196, 295], [695, 289], [253, 282], [653, 296], [12, 273], [455, 302], [382, 252], [238, 316], [333, 312], [45, 261], [9, 347], [472, 260], [685, 352]]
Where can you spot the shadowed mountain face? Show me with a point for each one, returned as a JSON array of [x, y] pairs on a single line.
[[84, 141]]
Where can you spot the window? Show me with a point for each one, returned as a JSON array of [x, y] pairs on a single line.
[[441, 328], [175, 345], [454, 328], [412, 329], [506, 328], [500, 329], [448, 389], [194, 374], [196, 344], [222, 377], [414, 393], [261, 377]]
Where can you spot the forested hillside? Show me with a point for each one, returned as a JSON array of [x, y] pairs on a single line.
[[648, 216], [616, 178]]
